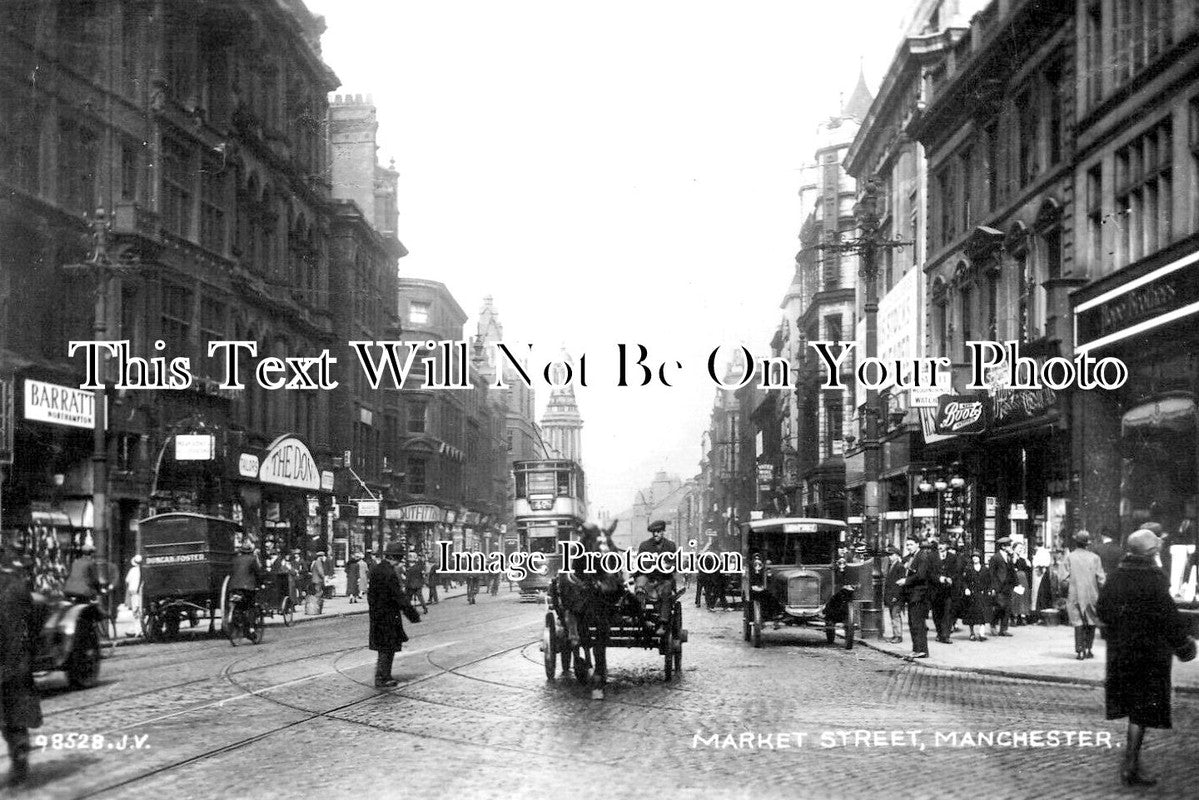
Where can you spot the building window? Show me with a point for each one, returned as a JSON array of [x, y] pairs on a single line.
[[947, 206], [176, 188], [1026, 133], [1144, 182], [994, 194], [832, 328], [833, 426], [993, 305], [1095, 219], [1142, 31], [212, 329], [1094, 64], [1053, 99], [942, 323], [129, 171], [418, 313], [176, 317], [967, 311], [416, 475], [212, 206], [418, 411], [966, 173], [20, 135], [77, 154]]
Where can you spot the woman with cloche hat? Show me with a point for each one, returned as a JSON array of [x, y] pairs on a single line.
[[1144, 631]]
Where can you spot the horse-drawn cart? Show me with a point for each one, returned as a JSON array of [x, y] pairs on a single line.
[[615, 622], [185, 572]]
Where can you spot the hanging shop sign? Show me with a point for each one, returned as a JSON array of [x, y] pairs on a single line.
[[961, 414], [59, 405], [423, 512], [1164, 295], [393, 514], [247, 465], [1017, 405], [368, 508], [289, 462], [194, 447], [327, 480]]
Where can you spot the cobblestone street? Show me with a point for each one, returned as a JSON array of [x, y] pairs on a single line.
[[474, 717]]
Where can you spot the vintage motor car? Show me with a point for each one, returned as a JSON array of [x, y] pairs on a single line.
[[795, 575], [71, 638]]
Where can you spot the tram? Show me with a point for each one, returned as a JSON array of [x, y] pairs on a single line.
[[550, 507]]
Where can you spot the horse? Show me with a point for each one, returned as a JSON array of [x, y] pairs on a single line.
[[588, 604]]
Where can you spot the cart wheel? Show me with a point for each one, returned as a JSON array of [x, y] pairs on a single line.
[[668, 648], [850, 625], [756, 630], [170, 625], [83, 665], [565, 654], [582, 665], [288, 610], [548, 637]]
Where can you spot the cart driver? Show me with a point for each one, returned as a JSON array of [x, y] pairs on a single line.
[[658, 585], [247, 574]]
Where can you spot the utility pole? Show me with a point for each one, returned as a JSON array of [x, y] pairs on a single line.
[[867, 246], [99, 264]]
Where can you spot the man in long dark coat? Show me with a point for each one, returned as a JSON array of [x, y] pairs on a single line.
[[1003, 573], [1144, 630], [20, 708], [388, 605], [918, 584]]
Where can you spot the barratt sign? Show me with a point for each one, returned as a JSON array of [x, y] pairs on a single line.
[[59, 405], [961, 414], [289, 462]]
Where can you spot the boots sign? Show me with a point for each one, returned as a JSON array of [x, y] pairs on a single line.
[[961, 414]]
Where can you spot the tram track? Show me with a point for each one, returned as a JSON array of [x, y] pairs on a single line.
[[216, 654]]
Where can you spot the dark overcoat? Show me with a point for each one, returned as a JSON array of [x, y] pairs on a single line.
[[19, 703], [892, 591], [976, 606], [246, 573], [388, 606], [352, 576], [1143, 628], [921, 577], [1003, 573]]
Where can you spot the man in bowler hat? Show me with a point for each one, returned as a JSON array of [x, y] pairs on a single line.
[[388, 605]]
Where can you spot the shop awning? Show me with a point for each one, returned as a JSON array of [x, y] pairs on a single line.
[[1168, 414], [50, 518]]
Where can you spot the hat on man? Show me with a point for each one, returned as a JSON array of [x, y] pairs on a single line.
[[1082, 537], [1003, 541], [1142, 543], [246, 547], [892, 550], [1152, 526], [656, 525], [394, 550]]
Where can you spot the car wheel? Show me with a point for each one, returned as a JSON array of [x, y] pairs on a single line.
[[83, 665]]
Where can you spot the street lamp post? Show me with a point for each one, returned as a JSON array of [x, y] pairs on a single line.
[[867, 246]]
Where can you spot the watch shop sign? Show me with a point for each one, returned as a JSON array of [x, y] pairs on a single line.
[[961, 414]]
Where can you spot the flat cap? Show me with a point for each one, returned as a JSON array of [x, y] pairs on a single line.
[[1002, 540], [1142, 543], [394, 549], [656, 525]]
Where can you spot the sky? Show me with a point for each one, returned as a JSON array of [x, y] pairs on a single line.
[[616, 172]]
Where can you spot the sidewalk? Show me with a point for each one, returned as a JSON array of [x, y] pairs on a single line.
[[129, 630], [1037, 652]]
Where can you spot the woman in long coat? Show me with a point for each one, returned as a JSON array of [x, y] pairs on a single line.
[[353, 590], [1083, 573], [1144, 630], [978, 588]]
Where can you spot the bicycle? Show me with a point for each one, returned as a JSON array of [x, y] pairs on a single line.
[[241, 622]]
